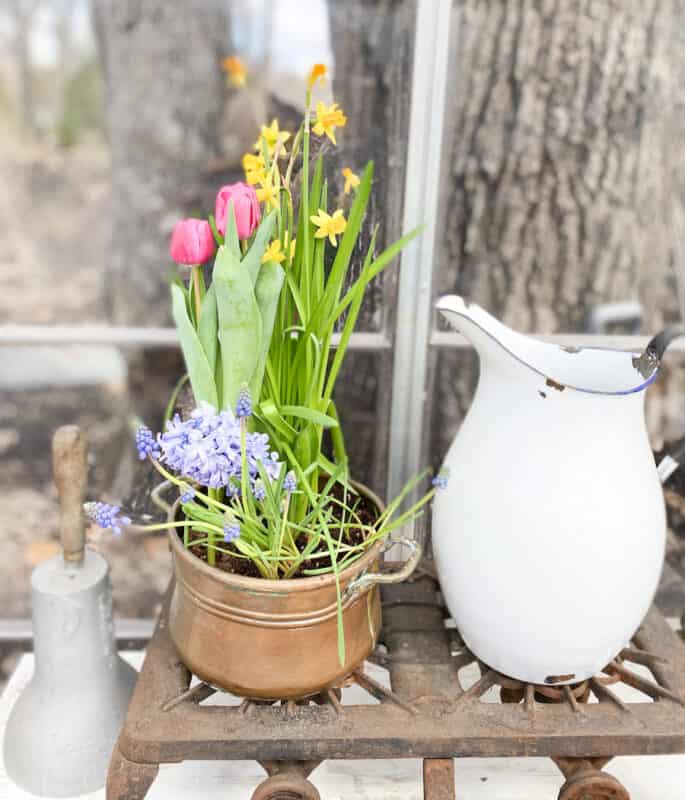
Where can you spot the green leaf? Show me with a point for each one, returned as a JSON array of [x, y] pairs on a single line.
[[208, 327], [267, 292], [273, 416], [201, 375], [253, 258], [302, 412], [239, 324]]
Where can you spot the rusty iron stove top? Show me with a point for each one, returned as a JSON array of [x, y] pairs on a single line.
[[580, 727]]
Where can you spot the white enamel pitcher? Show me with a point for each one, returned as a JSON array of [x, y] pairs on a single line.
[[549, 538]]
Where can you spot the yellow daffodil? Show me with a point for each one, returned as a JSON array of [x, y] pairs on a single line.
[[317, 74], [273, 136], [329, 225], [328, 119], [351, 180], [268, 193], [274, 252], [237, 74], [255, 171]]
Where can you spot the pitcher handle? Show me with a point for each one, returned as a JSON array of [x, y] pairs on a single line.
[[649, 361], [366, 580]]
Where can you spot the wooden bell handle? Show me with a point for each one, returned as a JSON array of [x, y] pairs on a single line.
[[70, 469]]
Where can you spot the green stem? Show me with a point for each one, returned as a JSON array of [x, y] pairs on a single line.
[[196, 272]]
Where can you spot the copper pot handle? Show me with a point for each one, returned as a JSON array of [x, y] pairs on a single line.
[[158, 500], [368, 579]]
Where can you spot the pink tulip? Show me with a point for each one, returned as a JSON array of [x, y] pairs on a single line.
[[192, 242], [245, 207]]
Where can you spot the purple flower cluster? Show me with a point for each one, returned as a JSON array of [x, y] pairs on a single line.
[[206, 448], [231, 531], [146, 443], [289, 482], [107, 516], [440, 480]]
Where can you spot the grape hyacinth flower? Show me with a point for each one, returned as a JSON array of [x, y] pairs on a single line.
[[187, 494], [146, 443], [231, 531], [440, 480], [107, 516], [259, 490], [243, 406], [289, 482]]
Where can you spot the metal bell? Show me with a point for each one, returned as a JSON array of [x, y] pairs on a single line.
[[62, 729]]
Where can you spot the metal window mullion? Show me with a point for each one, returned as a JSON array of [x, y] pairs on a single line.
[[422, 184]]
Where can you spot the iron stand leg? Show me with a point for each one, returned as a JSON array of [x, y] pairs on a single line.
[[438, 779], [128, 780], [586, 781]]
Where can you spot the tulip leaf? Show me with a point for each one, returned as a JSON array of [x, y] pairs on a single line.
[[207, 330], [310, 415], [267, 291], [239, 324], [201, 375], [253, 258]]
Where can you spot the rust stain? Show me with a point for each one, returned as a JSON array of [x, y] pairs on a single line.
[[559, 678], [554, 385]]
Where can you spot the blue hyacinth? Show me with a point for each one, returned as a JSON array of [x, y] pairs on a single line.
[[231, 531], [207, 449], [107, 516], [259, 490], [146, 443]]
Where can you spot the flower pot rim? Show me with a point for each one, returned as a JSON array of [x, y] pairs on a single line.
[[285, 585]]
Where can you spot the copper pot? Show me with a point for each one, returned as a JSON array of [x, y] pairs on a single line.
[[275, 639]]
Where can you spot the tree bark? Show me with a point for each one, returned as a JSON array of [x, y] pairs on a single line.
[[559, 190], [165, 95]]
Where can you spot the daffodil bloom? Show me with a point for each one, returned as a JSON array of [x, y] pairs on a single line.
[[255, 171], [317, 74], [274, 252], [351, 180], [268, 193], [237, 74], [273, 137], [329, 225], [328, 118]]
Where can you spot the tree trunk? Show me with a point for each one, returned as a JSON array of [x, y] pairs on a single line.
[[373, 43], [558, 189], [165, 95]]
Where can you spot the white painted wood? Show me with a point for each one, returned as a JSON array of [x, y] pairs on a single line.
[[646, 777]]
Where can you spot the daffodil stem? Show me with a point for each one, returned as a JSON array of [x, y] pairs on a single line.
[[196, 290]]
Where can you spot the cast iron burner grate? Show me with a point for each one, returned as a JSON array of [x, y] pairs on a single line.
[[439, 686]]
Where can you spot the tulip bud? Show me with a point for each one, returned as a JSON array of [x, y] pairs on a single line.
[[245, 208], [192, 242]]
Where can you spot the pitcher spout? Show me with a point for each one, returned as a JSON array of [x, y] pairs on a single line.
[[593, 370]]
